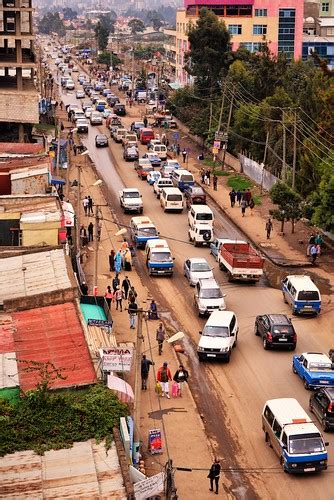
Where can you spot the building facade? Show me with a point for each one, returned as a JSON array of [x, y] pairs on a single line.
[[251, 23], [18, 95]]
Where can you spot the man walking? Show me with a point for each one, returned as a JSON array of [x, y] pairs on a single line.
[[214, 475], [184, 155], [118, 298], [132, 310], [90, 206], [232, 195], [85, 204], [164, 376], [90, 230], [160, 336], [115, 282], [145, 368], [239, 196], [269, 227], [125, 286], [215, 182]]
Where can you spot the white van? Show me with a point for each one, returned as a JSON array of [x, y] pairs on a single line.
[[142, 230], [160, 184], [295, 439], [200, 214], [302, 294], [121, 132], [171, 199], [160, 150], [159, 259], [182, 178], [219, 336]]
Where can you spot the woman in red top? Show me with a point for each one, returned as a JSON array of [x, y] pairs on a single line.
[[109, 296]]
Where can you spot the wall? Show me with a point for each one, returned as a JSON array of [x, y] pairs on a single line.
[[45, 233], [18, 107], [35, 184], [41, 300], [255, 172]]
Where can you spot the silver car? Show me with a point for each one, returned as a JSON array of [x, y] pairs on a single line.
[[196, 268]]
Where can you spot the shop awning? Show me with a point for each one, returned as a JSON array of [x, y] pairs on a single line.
[[123, 389], [57, 180]]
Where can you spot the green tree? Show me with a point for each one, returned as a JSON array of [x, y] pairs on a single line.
[[324, 213], [209, 53], [289, 205], [136, 26], [102, 35], [51, 23], [104, 58], [69, 14]]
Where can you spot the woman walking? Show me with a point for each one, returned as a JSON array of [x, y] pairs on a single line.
[[109, 296], [181, 376]]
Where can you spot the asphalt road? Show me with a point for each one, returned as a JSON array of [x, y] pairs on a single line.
[[230, 397]]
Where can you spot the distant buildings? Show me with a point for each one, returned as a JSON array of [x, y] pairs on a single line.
[[319, 30]]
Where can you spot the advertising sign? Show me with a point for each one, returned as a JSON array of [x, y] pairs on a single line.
[[116, 359], [215, 151], [99, 322], [154, 441], [216, 144], [149, 487]]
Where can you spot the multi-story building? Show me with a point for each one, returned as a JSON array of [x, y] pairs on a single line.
[[18, 95], [251, 23], [170, 52]]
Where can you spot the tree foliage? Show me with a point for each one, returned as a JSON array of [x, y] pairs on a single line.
[[102, 35], [104, 58], [51, 23], [69, 14], [136, 26], [289, 204]]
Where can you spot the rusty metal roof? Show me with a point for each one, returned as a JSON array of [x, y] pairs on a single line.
[[33, 273], [54, 334], [10, 164], [21, 148], [86, 470]]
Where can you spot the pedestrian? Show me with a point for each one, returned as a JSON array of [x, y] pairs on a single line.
[[318, 240], [109, 296], [160, 336], [153, 310], [145, 121], [132, 294], [115, 282], [311, 242], [99, 230], [127, 259], [251, 205], [83, 235], [130, 102], [112, 260], [248, 196], [167, 143], [313, 253], [232, 194], [90, 231], [118, 262], [184, 155], [75, 149], [61, 105], [119, 298], [90, 205], [132, 310], [145, 368], [125, 287], [243, 195], [243, 207], [239, 196], [85, 204], [202, 174], [164, 376], [215, 182], [207, 178], [208, 174], [214, 475], [62, 126], [181, 376], [178, 149], [269, 227]]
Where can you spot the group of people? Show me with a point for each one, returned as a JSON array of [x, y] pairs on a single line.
[[122, 259], [244, 199], [314, 246], [119, 291], [87, 235], [88, 203], [164, 377]]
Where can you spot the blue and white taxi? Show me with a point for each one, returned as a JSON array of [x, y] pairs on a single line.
[[315, 369]]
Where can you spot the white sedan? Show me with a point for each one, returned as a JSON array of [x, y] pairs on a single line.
[[196, 268]]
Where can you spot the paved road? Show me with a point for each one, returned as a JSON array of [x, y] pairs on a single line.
[[230, 397]]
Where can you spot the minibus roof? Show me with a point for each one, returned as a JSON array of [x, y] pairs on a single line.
[[303, 282]]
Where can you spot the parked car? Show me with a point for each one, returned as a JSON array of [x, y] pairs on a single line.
[[314, 368], [130, 153], [275, 330], [101, 140], [196, 268], [322, 405], [194, 195]]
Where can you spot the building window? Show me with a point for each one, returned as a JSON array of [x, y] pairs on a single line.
[[286, 31], [253, 46], [325, 7], [261, 12], [235, 29], [259, 29]]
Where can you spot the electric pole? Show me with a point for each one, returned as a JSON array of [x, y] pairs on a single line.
[[137, 404], [78, 242], [294, 160], [96, 246], [284, 148], [228, 127], [222, 108]]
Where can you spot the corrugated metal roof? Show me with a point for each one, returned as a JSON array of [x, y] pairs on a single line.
[[22, 148], [84, 471], [24, 203], [29, 172], [9, 376], [7, 330], [32, 274], [54, 334], [40, 217], [10, 164]]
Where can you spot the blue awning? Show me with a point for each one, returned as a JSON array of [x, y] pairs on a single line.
[[56, 181]]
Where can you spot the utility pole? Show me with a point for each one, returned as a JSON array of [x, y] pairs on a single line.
[[133, 72], [210, 119], [294, 160], [96, 246], [137, 405], [222, 108], [228, 127], [68, 168], [284, 148], [77, 232], [264, 159], [58, 148]]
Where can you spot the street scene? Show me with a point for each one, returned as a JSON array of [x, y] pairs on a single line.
[[166, 285]]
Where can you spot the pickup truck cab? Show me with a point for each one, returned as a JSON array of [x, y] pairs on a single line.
[[142, 230], [82, 126], [219, 336], [159, 259], [215, 245], [200, 234], [131, 200]]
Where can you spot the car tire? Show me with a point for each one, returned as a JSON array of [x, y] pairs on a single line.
[[307, 387], [284, 299], [267, 439], [324, 425], [256, 331], [227, 359], [283, 464], [266, 346], [294, 369], [235, 342], [141, 211]]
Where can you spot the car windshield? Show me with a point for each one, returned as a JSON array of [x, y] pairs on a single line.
[[216, 331], [306, 444], [200, 267], [308, 295], [320, 367], [203, 216], [187, 178], [211, 293], [131, 194], [161, 257], [147, 231], [197, 191]]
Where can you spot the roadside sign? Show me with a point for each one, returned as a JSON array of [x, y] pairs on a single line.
[[219, 135], [116, 359], [176, 136], [216, 144], [154, 441], [215, 151], [150, 487]]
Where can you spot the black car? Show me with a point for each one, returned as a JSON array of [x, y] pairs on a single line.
[[194, 195], [119, 109], [276, 330], [101, 140], [130, 154], [322, 405]]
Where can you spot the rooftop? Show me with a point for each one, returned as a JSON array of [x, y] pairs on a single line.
[[18, 148], [54, 334], [26, 203], [33, 273]]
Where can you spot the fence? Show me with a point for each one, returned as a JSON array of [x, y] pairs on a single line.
[[257, 173]]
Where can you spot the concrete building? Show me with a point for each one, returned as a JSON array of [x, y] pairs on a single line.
[[18, 95], [170, 52], [251, 23]]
